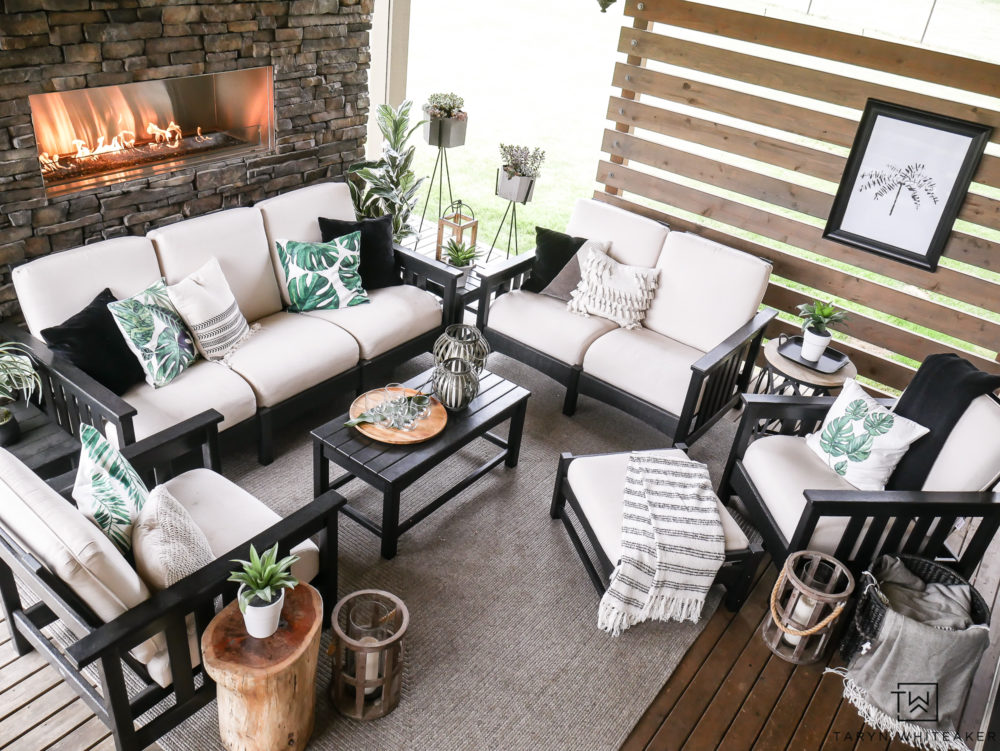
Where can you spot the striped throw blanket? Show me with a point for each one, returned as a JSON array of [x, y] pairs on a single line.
[[672, 543]]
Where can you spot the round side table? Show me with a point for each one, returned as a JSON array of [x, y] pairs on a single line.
[[795, 377], [266, 687]]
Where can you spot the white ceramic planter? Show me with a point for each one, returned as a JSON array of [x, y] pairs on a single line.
[[445, 131], [814, 345], [262, 622], [466, 272], [517, 188]]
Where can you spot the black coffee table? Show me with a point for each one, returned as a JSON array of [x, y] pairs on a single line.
[[391, 469]]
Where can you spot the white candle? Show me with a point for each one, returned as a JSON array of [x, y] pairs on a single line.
[[371, 662], [801, 613]]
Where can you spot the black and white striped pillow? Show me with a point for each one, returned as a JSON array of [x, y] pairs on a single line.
[[210, 311]]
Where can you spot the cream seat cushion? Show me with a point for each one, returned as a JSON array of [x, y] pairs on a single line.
[[635, 240], [544, 324], [71, 546], [392, 316], [645, 364], [229, 516], [783, 467], [599, 482], [291, 353], [707, 290], [53, 288], [204, 385], [295, 216], [970, 458], [237, 239]]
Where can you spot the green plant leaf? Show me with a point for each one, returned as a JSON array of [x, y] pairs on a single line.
[[840, 468], [879, 423], [859, 447], [311, 291], [836, 435], [856, 409]]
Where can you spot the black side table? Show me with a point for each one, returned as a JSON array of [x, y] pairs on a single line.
[[44, 447]]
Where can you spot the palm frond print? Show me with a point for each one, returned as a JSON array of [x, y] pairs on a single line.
[[893, 180]]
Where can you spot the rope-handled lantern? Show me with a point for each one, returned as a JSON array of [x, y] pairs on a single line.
[[811, 592]]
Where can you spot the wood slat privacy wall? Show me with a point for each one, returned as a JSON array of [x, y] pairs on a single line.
[[740, 132]]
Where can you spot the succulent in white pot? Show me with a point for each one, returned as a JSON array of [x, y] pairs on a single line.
[[816, 316], [17, 378], [462, 256], [263, 581], [516, 178], [446, 120]]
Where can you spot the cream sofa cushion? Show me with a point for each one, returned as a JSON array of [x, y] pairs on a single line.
[[53, 288], [970, 458], [707, 291], [237, 239], [782, 468], [544, 324], [392, 316], [229, 516], [295, 216], [205, 385], [71, 546], [291, 353], [647, 365], [635, 240], [598, 482]]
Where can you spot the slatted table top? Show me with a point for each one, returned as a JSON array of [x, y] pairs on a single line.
[[44, 447], [350, 449]]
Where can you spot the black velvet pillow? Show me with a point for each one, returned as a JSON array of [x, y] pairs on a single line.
[[92, 341], [378, 261], [553, 250]]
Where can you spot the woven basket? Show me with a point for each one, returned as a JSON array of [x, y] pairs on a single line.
[[870, 611]]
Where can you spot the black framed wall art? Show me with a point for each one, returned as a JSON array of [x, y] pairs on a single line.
[[905, 180]]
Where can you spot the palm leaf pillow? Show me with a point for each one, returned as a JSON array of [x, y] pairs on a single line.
[[108, 490], [155, 333], [322, 276], [861, 440]]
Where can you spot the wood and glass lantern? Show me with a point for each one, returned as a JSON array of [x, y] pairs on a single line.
[[811, 592], [457, 219], [368, 630]]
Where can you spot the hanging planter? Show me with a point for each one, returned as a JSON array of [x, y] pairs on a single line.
[[447, 121]]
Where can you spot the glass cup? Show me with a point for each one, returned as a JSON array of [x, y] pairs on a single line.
[[421, 405]]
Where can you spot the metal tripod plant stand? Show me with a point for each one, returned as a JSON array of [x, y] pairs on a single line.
[[511, 230], [443, 175]]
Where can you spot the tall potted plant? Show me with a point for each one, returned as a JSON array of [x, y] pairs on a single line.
[[816, 316], [388, 185], [446, 120], [263, 581], [516, 178], [17, 378]]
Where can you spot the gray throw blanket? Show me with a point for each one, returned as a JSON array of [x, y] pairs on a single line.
[[672, 543], [912, 679]]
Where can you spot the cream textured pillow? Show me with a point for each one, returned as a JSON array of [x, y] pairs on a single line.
[[861, 440], [208, 307], [166, 542], [613, 290]]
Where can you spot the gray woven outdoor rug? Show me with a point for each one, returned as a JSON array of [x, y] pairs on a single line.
[[503, 650]]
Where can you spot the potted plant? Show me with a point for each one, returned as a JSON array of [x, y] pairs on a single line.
[[446, 120], [462, 256], [17, 378], [816, 316], [263, 582], [516, 179], [388, 185]]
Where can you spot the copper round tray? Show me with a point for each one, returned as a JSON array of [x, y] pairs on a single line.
[[426, 429]]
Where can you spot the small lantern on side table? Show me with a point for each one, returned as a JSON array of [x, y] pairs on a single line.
[[368, 630], [457, 218], [809, 595]]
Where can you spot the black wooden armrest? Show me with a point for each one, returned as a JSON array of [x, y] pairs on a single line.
[[746, 332], [429, 267], [505, 271], [848, 502], [433, 276], [96, 396], [148, 618]]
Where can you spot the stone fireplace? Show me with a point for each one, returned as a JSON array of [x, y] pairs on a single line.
[[245, 99]]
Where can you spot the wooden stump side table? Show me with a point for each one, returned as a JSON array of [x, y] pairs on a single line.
[[266, 687]]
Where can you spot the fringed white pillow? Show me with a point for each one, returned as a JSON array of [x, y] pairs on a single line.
[[613, 290], [167, 543]]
